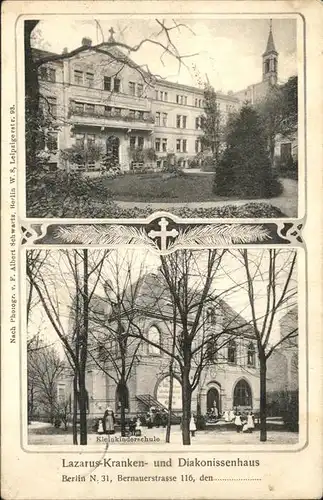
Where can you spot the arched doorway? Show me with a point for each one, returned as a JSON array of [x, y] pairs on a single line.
[[212, 400], [113, 146]]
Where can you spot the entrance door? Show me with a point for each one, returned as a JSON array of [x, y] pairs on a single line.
[[212, 399], [113, 144]]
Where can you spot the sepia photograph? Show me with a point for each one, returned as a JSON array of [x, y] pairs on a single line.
[[197, 117], [195, 348]]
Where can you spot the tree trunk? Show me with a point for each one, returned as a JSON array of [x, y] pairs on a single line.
[[83, 351], [122, 393], [170, 401], [83, 409], [31, 97], [186, 403], [263, 399], [74, 421]]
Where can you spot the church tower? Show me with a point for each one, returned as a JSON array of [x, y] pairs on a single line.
[[270, 60]]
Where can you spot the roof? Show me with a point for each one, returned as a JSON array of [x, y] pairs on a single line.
[[270, 44], [41, 54], [149, 292]]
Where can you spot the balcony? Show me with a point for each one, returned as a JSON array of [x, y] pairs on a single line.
[[123, 120]]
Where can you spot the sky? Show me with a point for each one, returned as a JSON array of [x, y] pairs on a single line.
[[227, 50], [231, 272]]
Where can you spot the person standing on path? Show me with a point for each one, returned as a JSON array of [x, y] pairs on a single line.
[[192, 426], [108, 421], [237, 422]]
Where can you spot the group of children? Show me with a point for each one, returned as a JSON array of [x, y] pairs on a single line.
[[244, 424]]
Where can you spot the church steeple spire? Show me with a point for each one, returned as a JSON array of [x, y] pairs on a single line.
[[270, 59]]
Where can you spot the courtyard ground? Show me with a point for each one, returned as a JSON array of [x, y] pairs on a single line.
[[219, 435]]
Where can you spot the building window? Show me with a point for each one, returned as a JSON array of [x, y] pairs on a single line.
[[242, 394], [79, 140], [51, 75], [165, 119], [132, 113], [251, 354], [232, 352], [211, 350], [157, 118], [164, 145], [48, 74], [107, 110], [286, 151], [90, 140], [107, 83], [132, 88], [89, 108], [52, 141], [140, 89], [117, 111], [197, 146], [140, 142], [132, 142], [163, 96], [210, 315], [181, 145], [89, 79], [198, 122], [116, 85], [79, 107], [52, 106], [154, 336], [78, 77], [141, 115], [181, 99], [157, 145], [181, 121]]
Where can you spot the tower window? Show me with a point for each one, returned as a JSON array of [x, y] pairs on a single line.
[[232, 352], [251, 355]]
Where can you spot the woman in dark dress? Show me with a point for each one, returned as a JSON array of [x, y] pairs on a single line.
[[108, 421]]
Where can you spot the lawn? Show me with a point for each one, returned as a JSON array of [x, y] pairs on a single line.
[[162, 187]]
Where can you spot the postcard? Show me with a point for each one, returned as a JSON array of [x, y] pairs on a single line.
[[161, 250]]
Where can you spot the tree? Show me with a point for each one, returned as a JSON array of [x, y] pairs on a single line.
[[212, 124], [279, 113], [275, 269], [65, 286], [244, 169], [185, 286], [113, 350], [44, 367]]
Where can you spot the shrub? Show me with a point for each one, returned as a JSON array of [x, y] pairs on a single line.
[[244, 169], [287, 168], [62, 194]]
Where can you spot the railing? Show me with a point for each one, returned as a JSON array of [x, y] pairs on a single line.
[[147, 118]]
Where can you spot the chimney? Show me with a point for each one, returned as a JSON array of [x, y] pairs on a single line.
[[86, 42], [65, 50]]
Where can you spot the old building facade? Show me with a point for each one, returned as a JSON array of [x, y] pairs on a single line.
[[230, 373], [101, 100]]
